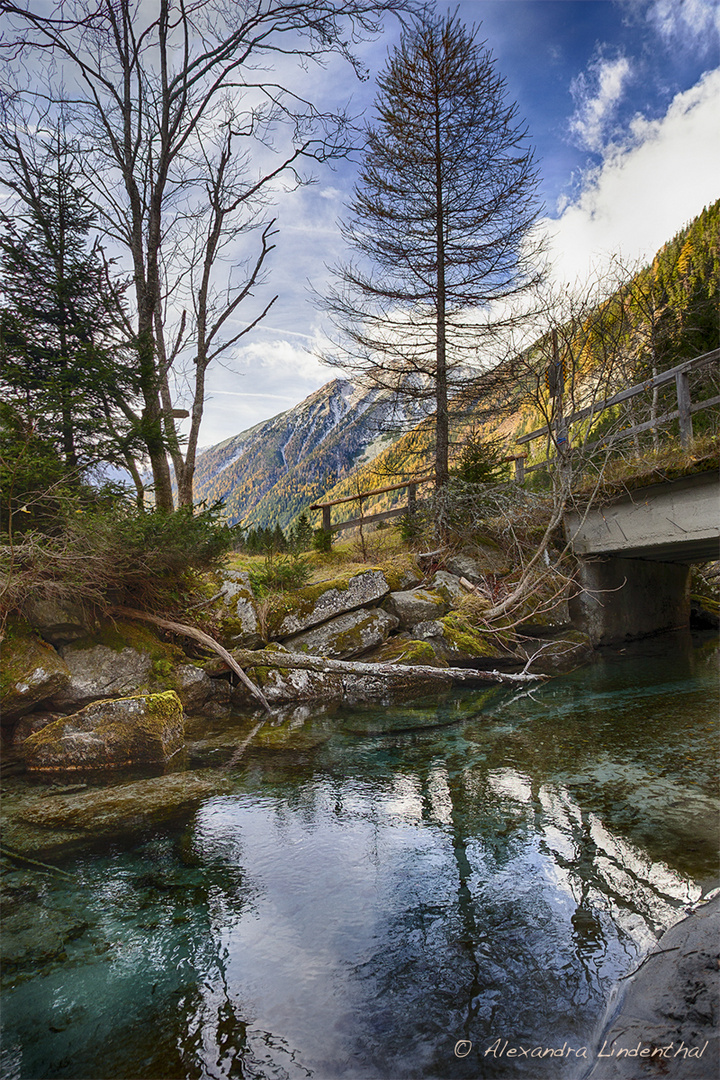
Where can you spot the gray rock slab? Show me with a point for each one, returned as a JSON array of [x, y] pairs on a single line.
[[365, 588], [101, 672], [350, 634], [415, 606], [664, 1021]]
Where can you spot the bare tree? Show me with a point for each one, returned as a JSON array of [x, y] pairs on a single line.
[[440, 222], [187, 121]]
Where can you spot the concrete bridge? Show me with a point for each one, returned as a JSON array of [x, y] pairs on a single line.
[[635, 554]]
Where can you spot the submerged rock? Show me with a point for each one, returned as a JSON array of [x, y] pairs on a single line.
[[146, 729], [59, 621], [56, 821]]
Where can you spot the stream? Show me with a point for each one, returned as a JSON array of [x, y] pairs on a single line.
[[388, 892]]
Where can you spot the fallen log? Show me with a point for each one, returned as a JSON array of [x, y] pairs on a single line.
[[268, 658], [204, 639]]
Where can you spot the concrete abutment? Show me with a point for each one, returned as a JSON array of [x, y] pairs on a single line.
[[620, 599]]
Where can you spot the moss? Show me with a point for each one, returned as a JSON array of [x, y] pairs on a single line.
[[466, 639], [123, 635], [707, 603], [398, 569]]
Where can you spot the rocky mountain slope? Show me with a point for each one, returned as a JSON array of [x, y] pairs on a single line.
[[273, 471]]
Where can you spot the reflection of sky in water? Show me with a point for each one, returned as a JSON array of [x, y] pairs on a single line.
[[356, 907]]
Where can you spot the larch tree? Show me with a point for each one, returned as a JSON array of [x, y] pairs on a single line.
[[440, 224], [189, 121]]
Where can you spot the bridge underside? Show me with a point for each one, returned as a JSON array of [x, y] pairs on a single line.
[[635, 556]]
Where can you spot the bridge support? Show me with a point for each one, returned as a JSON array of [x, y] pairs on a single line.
[[620, 599]]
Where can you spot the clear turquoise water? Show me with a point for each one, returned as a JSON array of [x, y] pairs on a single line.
[[383, 883]]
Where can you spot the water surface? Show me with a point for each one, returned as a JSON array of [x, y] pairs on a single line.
[[383, 883]]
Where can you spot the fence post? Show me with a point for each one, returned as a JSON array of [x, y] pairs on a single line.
[[326, 519], [519, 469], [412, 499], [682, 386]]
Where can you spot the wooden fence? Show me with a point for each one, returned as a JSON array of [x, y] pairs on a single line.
[[385, 515], [684, 414]]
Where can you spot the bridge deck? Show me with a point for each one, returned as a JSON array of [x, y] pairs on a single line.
[[675, 521]]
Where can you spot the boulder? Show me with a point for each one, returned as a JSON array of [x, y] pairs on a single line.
[[402, 649], [99, 670], [236, 610], [199, 693], [448, 586], [33, 672], [59, 621], [486, 558], [456, 641], [147, 729], [317, 604], [415, 606], [351, 634]]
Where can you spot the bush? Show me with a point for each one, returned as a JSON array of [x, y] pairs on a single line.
[[112, 554], [286, 572], [322, 541]]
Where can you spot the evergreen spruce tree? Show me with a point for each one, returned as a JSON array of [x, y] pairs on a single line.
[[61, 361]]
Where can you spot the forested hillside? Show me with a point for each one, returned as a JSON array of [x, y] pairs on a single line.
[[331, 445], [272, 472]]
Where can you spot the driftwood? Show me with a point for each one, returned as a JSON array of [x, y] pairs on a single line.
[[267, 658], [204, 639]]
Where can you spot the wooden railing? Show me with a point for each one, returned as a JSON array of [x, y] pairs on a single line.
[[385, 515], [684, 412]]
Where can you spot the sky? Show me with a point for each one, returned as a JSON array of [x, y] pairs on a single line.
[[622, 103]]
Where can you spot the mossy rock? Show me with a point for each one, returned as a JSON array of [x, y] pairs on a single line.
[[140, 730], [402, 649], [291, 613], [462, 642], [32, 672], [402, 571]]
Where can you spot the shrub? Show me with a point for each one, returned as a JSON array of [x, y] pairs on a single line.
[[284, 573], [112, 553]]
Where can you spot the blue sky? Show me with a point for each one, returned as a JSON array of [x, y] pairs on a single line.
[[622, 103]]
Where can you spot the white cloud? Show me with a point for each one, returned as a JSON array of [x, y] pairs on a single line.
[[645, 191], [267, 377], [686, 23], [597, 96]]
